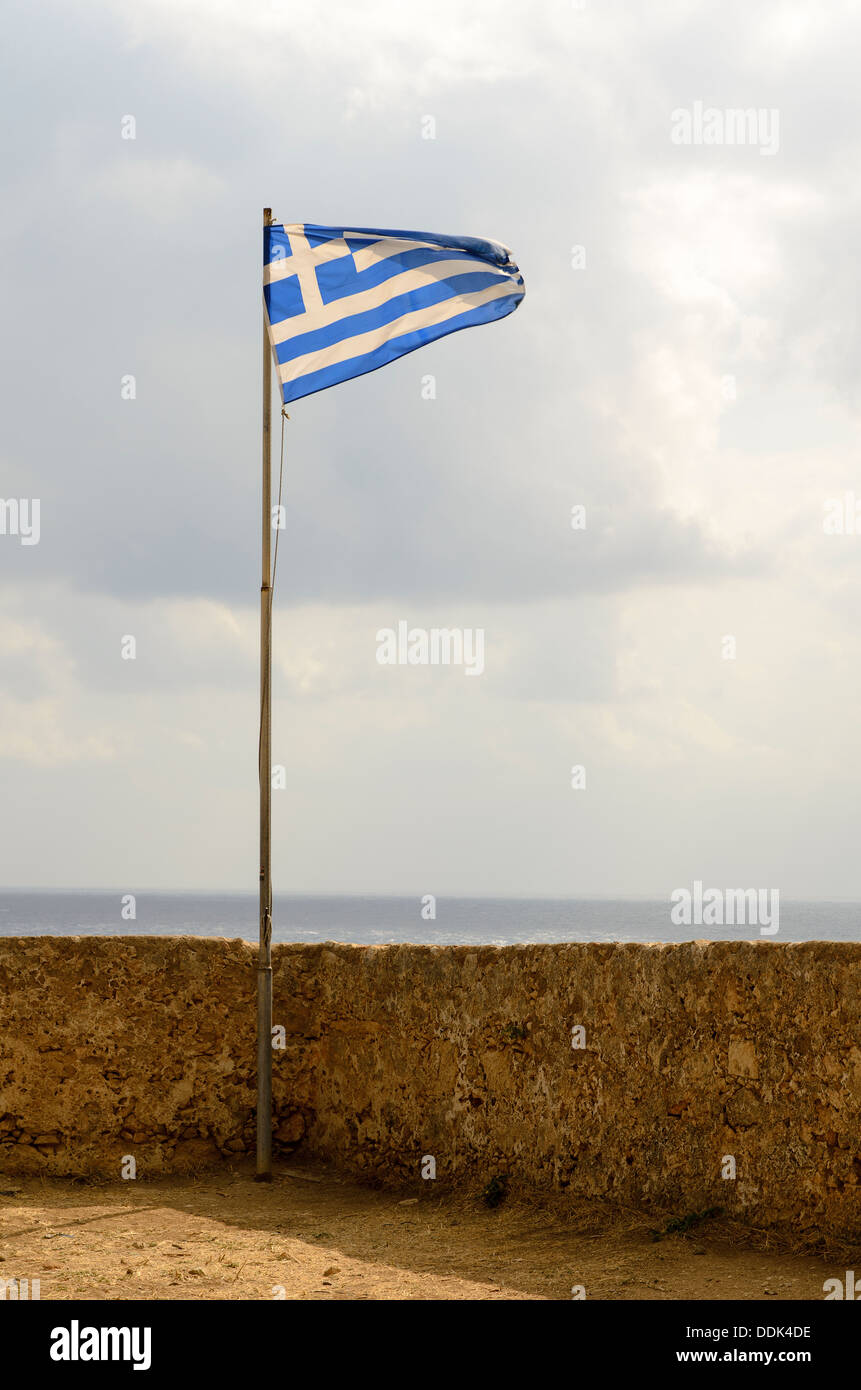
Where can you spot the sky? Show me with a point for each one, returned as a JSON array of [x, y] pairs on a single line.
[[684, 368]]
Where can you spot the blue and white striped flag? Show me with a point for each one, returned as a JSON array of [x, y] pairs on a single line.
[[344, 301]]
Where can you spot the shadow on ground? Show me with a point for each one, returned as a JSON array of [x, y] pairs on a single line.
[[313, 1234]]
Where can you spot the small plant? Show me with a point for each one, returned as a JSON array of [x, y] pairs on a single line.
[[495, 1191], [515, 1032], [680, 1224]]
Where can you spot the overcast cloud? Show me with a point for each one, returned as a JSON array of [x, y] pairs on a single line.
[[694, 386]]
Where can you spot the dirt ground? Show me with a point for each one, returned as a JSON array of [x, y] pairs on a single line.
[[312, 1234]]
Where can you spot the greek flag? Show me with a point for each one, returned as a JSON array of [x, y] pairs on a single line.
[[344, 301]]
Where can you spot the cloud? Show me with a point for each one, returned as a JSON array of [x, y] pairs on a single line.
[[694, 387], [159, 190]]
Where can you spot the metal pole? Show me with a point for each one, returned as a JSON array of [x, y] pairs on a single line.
[[264, 958]]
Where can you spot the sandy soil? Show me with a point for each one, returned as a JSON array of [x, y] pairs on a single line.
[[314, 1235]]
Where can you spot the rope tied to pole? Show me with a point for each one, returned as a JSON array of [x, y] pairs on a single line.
[[270, 590]]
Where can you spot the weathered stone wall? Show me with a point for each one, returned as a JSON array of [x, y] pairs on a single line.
[[145, 1046]]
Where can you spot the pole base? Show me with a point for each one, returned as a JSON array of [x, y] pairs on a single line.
[[262, 1177]]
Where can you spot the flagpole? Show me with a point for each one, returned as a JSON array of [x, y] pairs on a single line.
[[264, 957]]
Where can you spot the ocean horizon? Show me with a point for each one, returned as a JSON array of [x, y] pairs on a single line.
[[368, 919]]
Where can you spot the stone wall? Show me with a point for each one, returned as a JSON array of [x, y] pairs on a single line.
[[145, 1046]]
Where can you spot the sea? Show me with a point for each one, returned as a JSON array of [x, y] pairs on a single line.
[[378, 921]]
